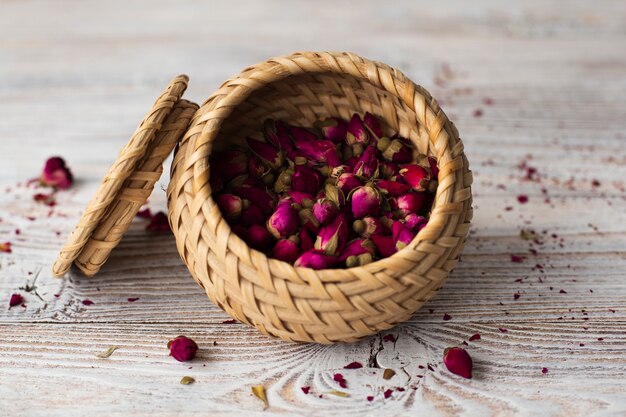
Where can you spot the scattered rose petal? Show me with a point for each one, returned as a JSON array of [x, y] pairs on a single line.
[[458, 361], [477, 113], [353, 365], [87, 302], [370, 398], [522, 199], [387, 393], [517, 258], [132, 299], [544, 370], [388, 373], [107, 353], [562, 292], [447, 317], [158, 223], [389, 338], [516, 296], [47, 199], [187, 380], [305, 389], [340, 379], [16, 299], [5, 247], [231, 321], [503, 330], [182, 348], [474, 337]]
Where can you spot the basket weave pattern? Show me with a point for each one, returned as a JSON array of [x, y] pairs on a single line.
[[301, 304]]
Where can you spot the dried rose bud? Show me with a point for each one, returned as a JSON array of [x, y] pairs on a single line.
[[283, 182], [325, 210], [334, 129], [392, 188], [415, 222], [56, 174], [385, 244], [182, 348], [315, 259], [284, 221], [395, 150], [388, 170], [158, 223], [256, 169], [305, 179], [16, 299], [277, 134], [359, 260], [257, 237], [334, 194], [368, 226], [373, 123], [357, 247], [228, 165], [333, 237], [348, 182], [416, 176], [303, 199], [411, 202], [257, 196], [306, 242], [365, 201], [269, 154], [357, 131], [286, 250], [458, 361], [251, 215], [230, 205], [401, 235], [434, 168], [367, 166], [312, 148], [308, 220]]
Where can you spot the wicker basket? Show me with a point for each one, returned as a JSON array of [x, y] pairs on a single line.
[[300, 304]]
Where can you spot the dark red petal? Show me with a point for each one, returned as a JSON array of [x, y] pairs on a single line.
[[353, 365], [474, 337], [458, 361]]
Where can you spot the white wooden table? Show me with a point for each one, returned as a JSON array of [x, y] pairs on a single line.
[[540, 83]]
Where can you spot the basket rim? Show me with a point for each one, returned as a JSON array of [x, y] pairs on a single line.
[[328, 62]]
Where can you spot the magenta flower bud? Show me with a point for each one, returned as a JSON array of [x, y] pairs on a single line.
[[334, 194], [368, 163], [182, 348], [357, 131], [312, 148], [458, 361], [334, 129], [269, 155], [365, 201], [257, 196], [411, 202], [305, 179], [308, 220], [284, 221], [415, 222], [357, 247], [252, 215], [395, 150], [298, 197], [385, 245], [373, 123], [306, 242], [257, 237], [434, 168], [333, 237], [228, 165], [56, 174], [401, 235], [230, 205], [286, 250], [16, 299], [392, 188], [388, 170], [348, 182], [316, 260], [276, 133], [416, 176], [325, 210], [368, 226]]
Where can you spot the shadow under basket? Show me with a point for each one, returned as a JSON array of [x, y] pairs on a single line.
[[295, 304]]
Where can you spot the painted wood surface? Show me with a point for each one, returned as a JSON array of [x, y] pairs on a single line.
[[539, 84]]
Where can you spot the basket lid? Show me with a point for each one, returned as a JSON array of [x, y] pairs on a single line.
[[128, 183]]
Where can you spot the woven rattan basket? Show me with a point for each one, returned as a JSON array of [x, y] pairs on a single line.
[[296, 304]]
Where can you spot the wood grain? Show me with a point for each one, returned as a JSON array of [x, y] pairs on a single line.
[[538, 83]]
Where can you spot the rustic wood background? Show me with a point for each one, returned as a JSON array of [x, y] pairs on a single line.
[[539, 84]]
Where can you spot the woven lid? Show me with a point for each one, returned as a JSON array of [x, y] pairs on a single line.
[[128, 183]]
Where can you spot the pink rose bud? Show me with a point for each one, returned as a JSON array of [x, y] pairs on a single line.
[[373, 123], [308, 220], [230, 205], [15, 300], [56, 174], [303, 199], [306, 242], [392, 188], [315, 259], [388, 170], [270, 155], [334, 129], [333, 237], [305, 179], [368, 163], [228, 165], [257, 237], [385, 244], [415, 222], [416, 176], [368, 226], [357, 247], [365, 201], [286, 250], [325, 210], [312, 148], [348, 182], [252, 215], [395, 150], [401, 235], [284, 221], [434, 168], [276, 133], [257, 196], [458, 361], [357, 131], [411, 202], [182, 348]]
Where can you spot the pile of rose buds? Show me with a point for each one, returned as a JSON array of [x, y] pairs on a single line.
[[339, 195]]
